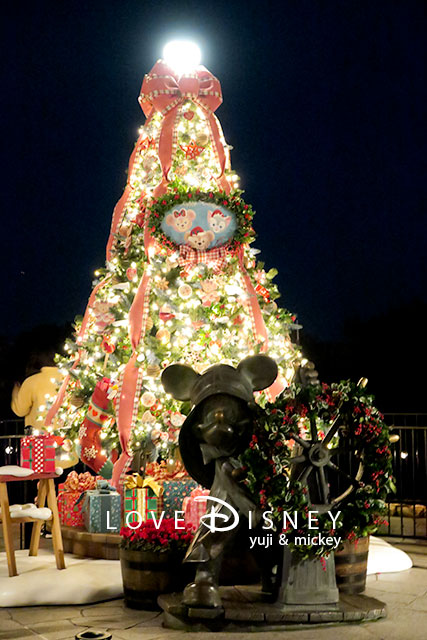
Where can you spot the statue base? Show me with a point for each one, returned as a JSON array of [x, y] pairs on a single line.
[[247, 609]]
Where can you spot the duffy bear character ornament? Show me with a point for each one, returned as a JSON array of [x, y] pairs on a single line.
[[199, 239]]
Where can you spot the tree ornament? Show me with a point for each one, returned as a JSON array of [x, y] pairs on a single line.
[[202, 139], [67, 445], [148, 399], [149, 163], [181, 341], [185, 291], [155, 436], [192, 150], [163, 334], [107, 345], [149, 324], [262, 291], [166, 313], [148, 418], [153, 370], [125, 230], [103, 315], [76, 401], [177, 419], [162, 284], [131, 273]]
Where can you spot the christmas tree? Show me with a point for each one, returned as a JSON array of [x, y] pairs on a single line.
[[181, 283]]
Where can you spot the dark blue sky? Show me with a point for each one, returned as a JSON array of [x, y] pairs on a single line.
[[323, 102]]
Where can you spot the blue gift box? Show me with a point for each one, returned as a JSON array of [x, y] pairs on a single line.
[[101, 511], [174, 492]]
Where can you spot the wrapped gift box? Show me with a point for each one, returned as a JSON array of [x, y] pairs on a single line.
[[174, 492], [38, 453], [195, 509], [101, 511], [70, 513], [69, 497], [143, 496]]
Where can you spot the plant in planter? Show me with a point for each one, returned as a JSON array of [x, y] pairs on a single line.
[[321, 448], [150, 560]]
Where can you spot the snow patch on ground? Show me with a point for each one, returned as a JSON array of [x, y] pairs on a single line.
[[39, 582], [384, 558]]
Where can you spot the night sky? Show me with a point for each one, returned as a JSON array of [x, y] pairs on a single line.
[[324, 105]]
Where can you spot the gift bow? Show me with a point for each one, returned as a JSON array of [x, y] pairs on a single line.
[[198, 491], [102, 487], [159, 471], [214, 258], [135, 481], [79, 481], [164, 91]]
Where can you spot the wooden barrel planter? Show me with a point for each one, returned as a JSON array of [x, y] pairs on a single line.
[[147, 574], [350, 565]]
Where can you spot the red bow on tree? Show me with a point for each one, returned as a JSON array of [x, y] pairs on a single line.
[[164, 91]]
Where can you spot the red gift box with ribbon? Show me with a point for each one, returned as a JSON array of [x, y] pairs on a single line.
[[69, 493], [38, 453], [195, 509]]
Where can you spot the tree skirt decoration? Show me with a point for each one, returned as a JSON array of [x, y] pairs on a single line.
[[40, 583], [346, 411]]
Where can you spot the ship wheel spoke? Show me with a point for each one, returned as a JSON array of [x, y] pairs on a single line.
[[313, 429], [323, 485], [297, 459], [331, 431], [305, 474], [301, 441], [333, 466]]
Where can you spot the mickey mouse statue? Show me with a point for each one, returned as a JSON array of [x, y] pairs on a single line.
[[217, 430]]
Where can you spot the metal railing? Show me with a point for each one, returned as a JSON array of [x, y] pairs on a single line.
[[407, 508]]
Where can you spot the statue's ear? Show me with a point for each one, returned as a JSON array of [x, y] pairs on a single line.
[[261, 371], [178, 380]]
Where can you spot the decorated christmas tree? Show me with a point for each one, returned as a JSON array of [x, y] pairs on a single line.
[[181, 283]]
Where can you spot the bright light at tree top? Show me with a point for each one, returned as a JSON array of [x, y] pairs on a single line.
[[182, 55]]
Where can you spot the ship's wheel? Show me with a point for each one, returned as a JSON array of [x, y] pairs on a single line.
[[329, 466]]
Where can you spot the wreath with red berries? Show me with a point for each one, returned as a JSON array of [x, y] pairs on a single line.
[[178, 194], [268, 466]]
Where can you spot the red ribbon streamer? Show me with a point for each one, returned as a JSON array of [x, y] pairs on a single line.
[[80, 337], [164, 91], [258, 321], [138, 311], [118, 209]]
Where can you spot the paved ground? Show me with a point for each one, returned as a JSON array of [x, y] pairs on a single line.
[[405, 594]]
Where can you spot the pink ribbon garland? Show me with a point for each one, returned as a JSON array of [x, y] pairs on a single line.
[[163, 91], [80, 337], [258, 325], [139, 311], [118, 209]]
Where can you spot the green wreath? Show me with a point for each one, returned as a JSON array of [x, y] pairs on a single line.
[[345, 412], [179, 194]]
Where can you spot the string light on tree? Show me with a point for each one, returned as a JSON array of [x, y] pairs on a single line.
[[181, 282]]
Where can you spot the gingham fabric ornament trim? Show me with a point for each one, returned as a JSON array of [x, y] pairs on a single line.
[[214, 258]]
